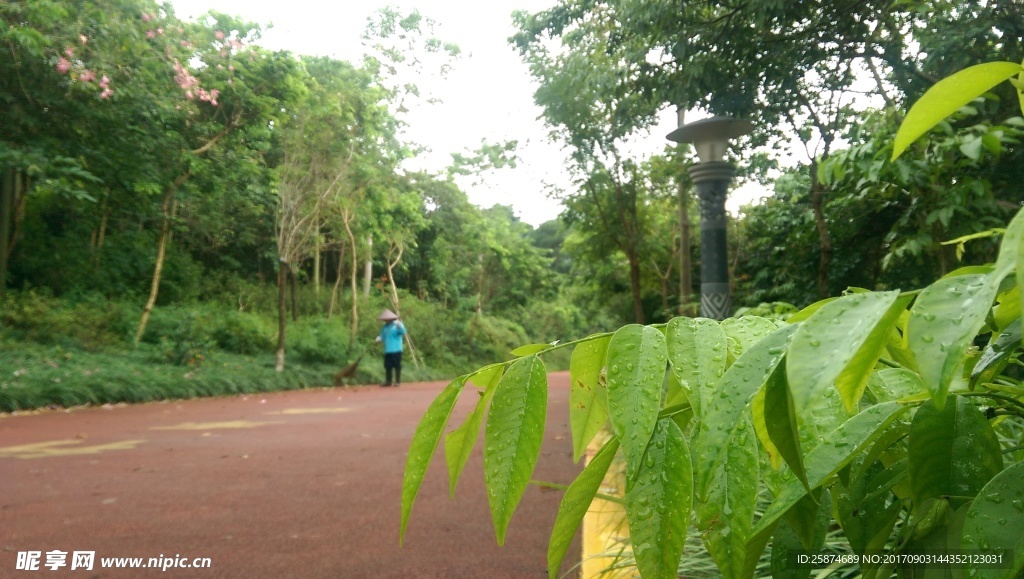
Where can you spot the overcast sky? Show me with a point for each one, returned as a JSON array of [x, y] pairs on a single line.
[[489, 94]]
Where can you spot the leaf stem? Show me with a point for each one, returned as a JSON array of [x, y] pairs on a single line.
[[561, 487], [996, 396]]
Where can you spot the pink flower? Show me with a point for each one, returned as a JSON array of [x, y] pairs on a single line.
[[70, 52], [213, 102], [146, 17], [87, 76], [188, 94], [106, 92], [159, 30], [104, 81], [63, 65], [219, 35], [151, 34]]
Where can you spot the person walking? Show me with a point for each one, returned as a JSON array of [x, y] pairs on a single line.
[[391, 335]]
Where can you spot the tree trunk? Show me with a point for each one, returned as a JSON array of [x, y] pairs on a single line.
[[394, 301], [101, 235], [7, 186], [295, 301], [354, 270], [161, 251], [368, 271], [337, 281], [634, 285], [480, 284], [282, 315], [316, 262], [824, 243]]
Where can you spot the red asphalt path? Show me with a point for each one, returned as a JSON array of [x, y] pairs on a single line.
[[296, 488]]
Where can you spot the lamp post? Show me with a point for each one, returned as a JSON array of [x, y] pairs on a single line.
[[710, 137]]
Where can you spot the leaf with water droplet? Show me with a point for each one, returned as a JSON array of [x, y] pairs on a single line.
[[997, 354], [938, 345], [459, 443], [738, 386], [514, 432], [895, 384], [424, 442], [635, 402], [981, 526], [746, 331], [781, 424], [529, 349], [825, 460], [659, 502], [824, 353], [588, 398], [692, 345], [952, 451], [575, 504]]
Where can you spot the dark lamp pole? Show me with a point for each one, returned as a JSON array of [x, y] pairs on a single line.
[[712, 176]]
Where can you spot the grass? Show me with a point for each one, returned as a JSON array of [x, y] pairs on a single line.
[[39, 376], [63, 352]]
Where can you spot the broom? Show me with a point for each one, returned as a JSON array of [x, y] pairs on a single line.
[[350, 370]]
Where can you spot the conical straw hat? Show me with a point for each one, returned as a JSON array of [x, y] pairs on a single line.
[[387, 316]]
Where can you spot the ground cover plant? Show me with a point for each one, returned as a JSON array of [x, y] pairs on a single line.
[[897, 417]]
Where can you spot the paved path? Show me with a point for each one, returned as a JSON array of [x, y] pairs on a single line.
[[294, 484]]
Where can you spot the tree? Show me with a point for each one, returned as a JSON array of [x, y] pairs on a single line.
[[830, 413]]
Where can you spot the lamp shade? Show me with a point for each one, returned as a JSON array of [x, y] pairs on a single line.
[[710, 137]]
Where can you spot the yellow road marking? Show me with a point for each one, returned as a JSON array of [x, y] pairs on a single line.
[[216, 425], [63, 448], [311, 411], [605, 531]]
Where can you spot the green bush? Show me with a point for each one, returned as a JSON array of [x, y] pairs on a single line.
[[318, 340], [244, 333], [92, 323]]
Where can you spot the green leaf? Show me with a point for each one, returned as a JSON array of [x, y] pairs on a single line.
[[781, 424], [725, 511], [659, 501], [515, 429], [745, 332], [836, 451], [971, 147], [842, 333], [761, 428], [996, 355], [803, 528], [943, 323], [575, 504], [947, 96], [459, 443], [588, 396], [995, 520], [424, 442], [1010, 249], [809, 311], [697, 352], [530, 349], [636, 370], [854, 378], [895, 384], [867, 515], [724, 415], [953, 451], [485, 376]]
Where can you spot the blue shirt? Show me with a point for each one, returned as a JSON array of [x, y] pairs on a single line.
[[391, 334]]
